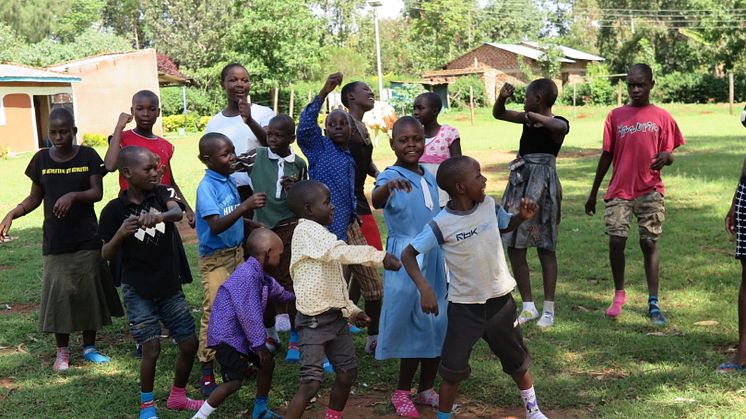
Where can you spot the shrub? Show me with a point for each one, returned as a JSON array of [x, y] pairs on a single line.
[[95, 140], [460, 88], [198, 101], [192, 123], [402, 98], [4, 152]]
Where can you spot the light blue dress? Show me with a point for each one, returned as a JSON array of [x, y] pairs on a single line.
[[405, 331]]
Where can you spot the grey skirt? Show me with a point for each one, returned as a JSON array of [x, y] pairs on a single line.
[[537, 180], [76, 293]]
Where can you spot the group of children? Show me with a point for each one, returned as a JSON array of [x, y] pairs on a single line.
[[303, 232]]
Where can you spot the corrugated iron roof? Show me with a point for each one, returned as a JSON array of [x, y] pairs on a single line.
[[571, 53], [21, 73], [526, 51]]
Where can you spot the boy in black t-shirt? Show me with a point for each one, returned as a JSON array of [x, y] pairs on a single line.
[[140, 223], [533, 175]]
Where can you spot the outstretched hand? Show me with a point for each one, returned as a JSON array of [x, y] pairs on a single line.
[[399, 184]]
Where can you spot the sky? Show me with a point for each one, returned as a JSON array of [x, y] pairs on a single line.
[[390, 8]]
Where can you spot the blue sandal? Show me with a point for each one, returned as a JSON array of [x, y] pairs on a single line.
[[730, 368]]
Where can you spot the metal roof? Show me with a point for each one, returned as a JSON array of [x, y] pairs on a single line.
[[525, 50], [19, 73], [570, 52]]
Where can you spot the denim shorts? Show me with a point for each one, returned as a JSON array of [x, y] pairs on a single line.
[[145, 315]]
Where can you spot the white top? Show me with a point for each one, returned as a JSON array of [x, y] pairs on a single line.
[[240, 134], [473, 251]]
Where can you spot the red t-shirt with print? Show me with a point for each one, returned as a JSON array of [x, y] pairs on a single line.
[[634, 135], [158, 145]]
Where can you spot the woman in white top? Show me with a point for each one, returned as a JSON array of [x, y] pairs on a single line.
[[241, 121]]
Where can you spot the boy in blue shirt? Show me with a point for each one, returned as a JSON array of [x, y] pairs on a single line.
[[220, 228]]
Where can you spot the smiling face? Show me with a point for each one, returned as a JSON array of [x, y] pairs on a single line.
[[408, 143], [222, 157], [362, 96], [236, 84], [280, 135], [145, 110], [62, 132], [338, 128], [142, 171], [639, 86]]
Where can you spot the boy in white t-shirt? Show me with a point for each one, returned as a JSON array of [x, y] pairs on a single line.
[[479, 301]]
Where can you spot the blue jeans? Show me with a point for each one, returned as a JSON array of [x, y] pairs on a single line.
[[145, 315]]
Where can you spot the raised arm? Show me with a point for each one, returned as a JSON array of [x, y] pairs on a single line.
[[219, 224], [115, 143], [381, 194], [499, 111], [309, 131], [244, 109], [556, 126]]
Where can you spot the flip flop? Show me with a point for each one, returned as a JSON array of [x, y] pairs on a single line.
[[730, 368]]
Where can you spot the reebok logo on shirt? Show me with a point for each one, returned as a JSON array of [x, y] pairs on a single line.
[[638, 127], [465, 235]]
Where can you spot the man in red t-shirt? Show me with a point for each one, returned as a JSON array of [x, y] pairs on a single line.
[[639, 139]]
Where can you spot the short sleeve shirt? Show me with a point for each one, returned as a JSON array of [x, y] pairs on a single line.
[[158, 145], [539, 140], [436, 148], [149, 262], [78, 230], [240, 134], [634, 135], [217, 195], [473, 251]]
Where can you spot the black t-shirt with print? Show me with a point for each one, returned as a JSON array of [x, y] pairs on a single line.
[[149, 258], [539, 140], [78, 230]]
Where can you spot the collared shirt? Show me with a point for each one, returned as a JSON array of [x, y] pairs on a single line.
[[473, 251], [316, 269], [329, 164], [217, 195], [237, 317], [268, 170], [149, 259]]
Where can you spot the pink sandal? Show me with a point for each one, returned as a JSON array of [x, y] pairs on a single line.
[[428, 397], [403, 404]]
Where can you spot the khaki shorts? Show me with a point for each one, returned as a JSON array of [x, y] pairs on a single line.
[[649, 210]]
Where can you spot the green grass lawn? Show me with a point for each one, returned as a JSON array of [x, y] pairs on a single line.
[[624, 368]]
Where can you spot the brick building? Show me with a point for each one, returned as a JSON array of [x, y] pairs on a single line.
[[500, 63]]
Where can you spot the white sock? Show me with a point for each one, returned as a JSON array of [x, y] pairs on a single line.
[[529, 401], [549, 307], [272, 333], [529, 306], [204, 411]]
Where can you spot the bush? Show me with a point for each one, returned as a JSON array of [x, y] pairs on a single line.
[[402, 98], [697, 88], [192, 123], [95, 140], [4, 152], [462, 84], [198, 101]]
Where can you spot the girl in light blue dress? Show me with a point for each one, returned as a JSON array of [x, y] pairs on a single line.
[[408, 195]]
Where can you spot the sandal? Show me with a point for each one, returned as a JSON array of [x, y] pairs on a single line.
[[403, 404], [730, 368]]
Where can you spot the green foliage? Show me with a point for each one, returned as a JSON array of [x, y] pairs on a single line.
[[596, 90], [340, 18], [127, 19], [460, 89], [49, 51], [95, 140], [697, 88], [198, 101], [4, 152], [33, 20], [402, 98], [549, 62], [192, 123], [351, 62], [80, 17]]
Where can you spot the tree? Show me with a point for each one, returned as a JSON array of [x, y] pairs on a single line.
[[35, 20], [79, 17], [127, 19], [51, 51], [341, 19]]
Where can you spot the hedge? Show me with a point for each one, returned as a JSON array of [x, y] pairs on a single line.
[[95, 140], [193, 123]]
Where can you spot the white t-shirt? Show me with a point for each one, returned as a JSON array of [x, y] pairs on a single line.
[[473, 251], [240, 134]]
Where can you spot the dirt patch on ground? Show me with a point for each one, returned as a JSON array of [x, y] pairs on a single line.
[[580, 154], [376, 405], [5, 267], [17, 308]]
